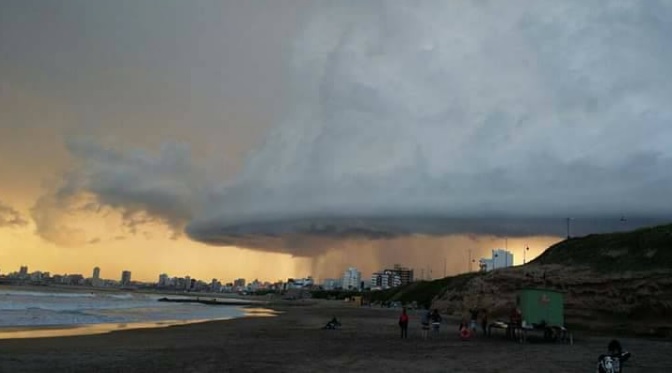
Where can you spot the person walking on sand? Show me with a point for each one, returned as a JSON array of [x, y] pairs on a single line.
[[403, 323], [425, 323]]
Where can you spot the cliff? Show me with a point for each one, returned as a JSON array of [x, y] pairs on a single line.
[[621, 282]]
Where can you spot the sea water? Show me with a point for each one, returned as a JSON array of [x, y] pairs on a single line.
[[35, 313]]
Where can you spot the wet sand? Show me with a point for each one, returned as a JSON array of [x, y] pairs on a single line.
[[294, 342]]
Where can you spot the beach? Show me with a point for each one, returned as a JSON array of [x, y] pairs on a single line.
[[293, 341]]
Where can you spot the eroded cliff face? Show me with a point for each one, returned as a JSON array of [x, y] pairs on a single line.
[[632, 302]]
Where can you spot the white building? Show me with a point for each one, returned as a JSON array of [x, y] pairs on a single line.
[[352, 279], [500, 259], [300, 283]]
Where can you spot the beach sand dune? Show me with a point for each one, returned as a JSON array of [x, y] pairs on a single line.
[[295, 342]]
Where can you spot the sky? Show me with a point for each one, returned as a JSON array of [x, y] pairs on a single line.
[[272, 139]]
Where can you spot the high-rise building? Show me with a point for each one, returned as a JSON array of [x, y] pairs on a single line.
[[163, 280], [500, 259], [385, 279], [96, 273], [405, 274], [352, 279], [239, 283], [390, 278], [125, 278]]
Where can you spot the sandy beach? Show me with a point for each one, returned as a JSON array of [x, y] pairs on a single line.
[[295, 342]]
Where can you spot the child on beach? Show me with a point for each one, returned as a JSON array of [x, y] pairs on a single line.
[[403, 323], [436, 321]]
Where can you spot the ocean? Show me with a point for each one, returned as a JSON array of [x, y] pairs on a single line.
[[25, 314]]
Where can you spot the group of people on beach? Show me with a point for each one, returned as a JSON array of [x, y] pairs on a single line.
[[433, 320]]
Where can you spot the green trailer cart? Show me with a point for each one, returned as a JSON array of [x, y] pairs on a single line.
[[542, 307], [542, 311]]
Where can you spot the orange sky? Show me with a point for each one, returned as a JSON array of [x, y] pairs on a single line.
[[152, 252]]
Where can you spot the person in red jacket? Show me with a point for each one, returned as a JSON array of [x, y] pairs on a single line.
[[403, 323]]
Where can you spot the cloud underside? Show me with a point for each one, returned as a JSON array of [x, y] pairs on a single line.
[[441, 118], [306, 236]]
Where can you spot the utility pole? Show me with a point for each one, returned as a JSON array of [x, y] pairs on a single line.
[[444, 267], [469, 264], [568, 235]]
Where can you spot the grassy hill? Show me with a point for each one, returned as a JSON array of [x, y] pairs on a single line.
[[640, 250]]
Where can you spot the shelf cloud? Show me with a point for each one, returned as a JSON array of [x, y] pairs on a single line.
[[430, 118], [462, 118]]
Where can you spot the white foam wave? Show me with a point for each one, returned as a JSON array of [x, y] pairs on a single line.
[[21, 308]]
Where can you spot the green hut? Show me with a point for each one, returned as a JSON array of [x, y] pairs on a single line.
[[542, 305]]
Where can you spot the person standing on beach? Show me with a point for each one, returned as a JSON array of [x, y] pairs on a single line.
[[403, 323]]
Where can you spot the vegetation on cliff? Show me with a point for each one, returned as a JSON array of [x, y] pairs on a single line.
[[640, 250]]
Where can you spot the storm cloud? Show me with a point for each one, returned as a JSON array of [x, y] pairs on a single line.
[[462, 117], [432, 118], [142, 186]]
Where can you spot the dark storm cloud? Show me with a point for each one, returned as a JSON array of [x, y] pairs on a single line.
[[432, 118], [463, 117]]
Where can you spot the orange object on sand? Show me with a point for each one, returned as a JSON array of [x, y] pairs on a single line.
[[465, 334]]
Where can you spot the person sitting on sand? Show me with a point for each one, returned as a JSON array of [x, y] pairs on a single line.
[[436, 321], [403, 323], [425, 323], [333, 324]]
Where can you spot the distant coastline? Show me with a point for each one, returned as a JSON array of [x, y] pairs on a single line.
[[56, 311]]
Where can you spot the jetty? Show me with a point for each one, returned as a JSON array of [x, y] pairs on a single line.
[[210, 302]]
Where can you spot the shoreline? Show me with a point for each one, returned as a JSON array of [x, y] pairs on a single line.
[[294, 341], [73, 330]]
